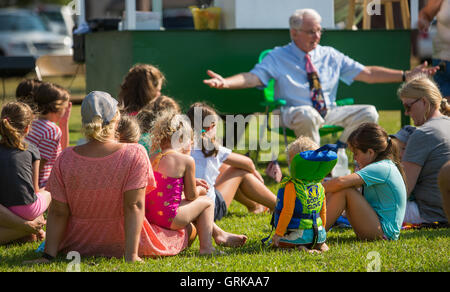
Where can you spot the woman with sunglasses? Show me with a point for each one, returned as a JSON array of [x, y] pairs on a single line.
[[427, 150]]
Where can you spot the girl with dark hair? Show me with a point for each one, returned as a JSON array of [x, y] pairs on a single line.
[[26, 90], [141, 85], [230, 175], [50, 132], [377, 213]]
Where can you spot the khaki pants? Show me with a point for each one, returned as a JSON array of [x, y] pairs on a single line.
[[306, 121]]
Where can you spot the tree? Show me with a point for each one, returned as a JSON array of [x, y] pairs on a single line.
[[25, 3]]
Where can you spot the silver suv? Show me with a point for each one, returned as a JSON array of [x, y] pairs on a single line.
[[24, 33]]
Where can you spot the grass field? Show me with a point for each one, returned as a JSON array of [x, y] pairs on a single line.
[[416, 250]]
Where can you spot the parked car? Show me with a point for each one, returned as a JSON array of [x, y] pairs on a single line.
[[24, 33], [58, 17]]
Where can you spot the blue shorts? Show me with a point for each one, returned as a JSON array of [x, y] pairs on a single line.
[[442, 78], [220, 207], [303, 237]]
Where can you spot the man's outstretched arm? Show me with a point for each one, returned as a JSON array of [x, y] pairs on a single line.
[[377, 74], [238, 81]]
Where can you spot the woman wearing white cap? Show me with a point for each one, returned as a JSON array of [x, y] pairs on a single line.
[[98, 192]]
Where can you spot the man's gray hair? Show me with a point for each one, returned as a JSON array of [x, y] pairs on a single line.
[[296, 19]]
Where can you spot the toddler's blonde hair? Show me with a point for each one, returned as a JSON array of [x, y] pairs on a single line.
[[167, 124], [95, 130], [301, 144], [128, 130]]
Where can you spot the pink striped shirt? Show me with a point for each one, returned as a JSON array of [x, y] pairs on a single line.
[[46, 135]]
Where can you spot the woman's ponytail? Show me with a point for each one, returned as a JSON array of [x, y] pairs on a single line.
[[445, 107], [373, 136], [15, 118]]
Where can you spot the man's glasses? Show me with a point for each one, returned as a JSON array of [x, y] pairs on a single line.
[[312, 32], [408, 106]]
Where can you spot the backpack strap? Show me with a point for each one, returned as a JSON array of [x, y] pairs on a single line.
[[315, 230], [272, 223]]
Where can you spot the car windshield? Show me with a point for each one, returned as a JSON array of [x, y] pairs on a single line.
[[14, 22], [55, 16]]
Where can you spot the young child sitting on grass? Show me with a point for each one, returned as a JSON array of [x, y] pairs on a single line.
[[147, 116], [19, 169], [377, 212], [401, 138], [50, 132], [128, 130], [179, 199], [229, 175], [300, 213]]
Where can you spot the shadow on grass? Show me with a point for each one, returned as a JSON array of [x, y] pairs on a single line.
[[428, 233], [16, 260], [342, 235]]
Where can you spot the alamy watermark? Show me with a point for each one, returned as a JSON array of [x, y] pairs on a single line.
[[212, 128], [74, 265], [374, 7], [75, 7], [374, 264]]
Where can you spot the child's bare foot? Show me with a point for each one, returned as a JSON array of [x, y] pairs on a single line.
[[322, 247], [41, 235], [319, 248], [258, 209], [230, 239]]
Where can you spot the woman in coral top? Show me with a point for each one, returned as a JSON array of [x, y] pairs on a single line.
[[98, 192]]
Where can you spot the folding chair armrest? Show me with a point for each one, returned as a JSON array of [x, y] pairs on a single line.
[[273, 103], [345, 101]]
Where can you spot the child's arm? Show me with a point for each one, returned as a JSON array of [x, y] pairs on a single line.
[[64, 126], [191, 192], [10, 220], [36, 175], [343, 182], [286, 212]]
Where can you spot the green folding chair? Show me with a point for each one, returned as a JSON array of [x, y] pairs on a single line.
[[270, 103]]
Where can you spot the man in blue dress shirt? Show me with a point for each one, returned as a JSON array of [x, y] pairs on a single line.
[[287, 65]]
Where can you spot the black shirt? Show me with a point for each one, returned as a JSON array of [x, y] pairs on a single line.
[[16, 175]]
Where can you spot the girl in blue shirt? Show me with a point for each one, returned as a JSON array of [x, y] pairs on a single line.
[[378, 211]]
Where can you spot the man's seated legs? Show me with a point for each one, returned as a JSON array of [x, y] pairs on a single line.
[[350, 117], [303, 120], [306, 121]]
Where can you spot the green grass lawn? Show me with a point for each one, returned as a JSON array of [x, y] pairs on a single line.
[[420, 250], [416, 250]]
